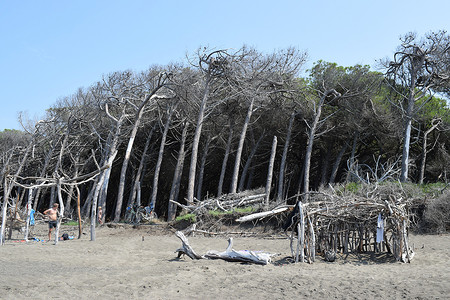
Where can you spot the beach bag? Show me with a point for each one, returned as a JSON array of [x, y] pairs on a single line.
[[65, 236]]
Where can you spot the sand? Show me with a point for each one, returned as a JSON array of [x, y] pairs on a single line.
[[127, 263]]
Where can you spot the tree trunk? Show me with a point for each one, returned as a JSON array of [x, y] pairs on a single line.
[[140, 170], [325, 158], [237, 163], [337, 163], [270, 171], [352, 156], [309, 148], [280, 195], [225, 161], [311, 137], [407, 129], [201, 172], [4, 209], [72, 187], [424, 148], [196, 141], [42, 174], [174, 191], [97, 191], [123, 171], [249, 162], [160, 157], [28, 210], [61, 209]]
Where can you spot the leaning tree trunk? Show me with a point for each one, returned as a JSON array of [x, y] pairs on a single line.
[[123, 171], [225, 161], [248, 163], [72, 187], [309, 148], [237, 163], [160, 157], [270, 171], [337, 163], [97, 191], [311, 137], [435, 123], [280, 195], [352, 160], [201, 171], [140, 170], [4, 208], [175, 189], [6, 165], [48, 158], [196, 141]]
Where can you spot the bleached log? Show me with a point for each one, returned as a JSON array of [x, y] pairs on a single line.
[[186, 248], [263, 214], [256, 257]]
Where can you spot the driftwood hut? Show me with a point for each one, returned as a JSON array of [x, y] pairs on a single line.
[[328, 225]]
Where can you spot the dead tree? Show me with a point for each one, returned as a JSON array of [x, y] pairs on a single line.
[[419, 69]]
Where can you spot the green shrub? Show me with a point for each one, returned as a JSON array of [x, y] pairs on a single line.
[[187, 217], [239, 210]]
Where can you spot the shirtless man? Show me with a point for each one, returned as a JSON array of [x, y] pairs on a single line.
[[52, 214]]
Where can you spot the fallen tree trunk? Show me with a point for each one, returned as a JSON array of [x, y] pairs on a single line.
[[263, 214], [247, 256], [256, 257]]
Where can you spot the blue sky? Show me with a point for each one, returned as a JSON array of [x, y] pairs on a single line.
[[49, 49]]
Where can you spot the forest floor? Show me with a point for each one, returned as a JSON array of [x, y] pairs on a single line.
[[131, 263]]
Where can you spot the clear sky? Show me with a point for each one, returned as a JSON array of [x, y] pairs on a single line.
[[50, 48]]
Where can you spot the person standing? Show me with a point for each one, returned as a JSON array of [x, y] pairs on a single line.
[[52, 214]]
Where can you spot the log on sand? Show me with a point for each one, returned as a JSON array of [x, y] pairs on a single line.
[[247, 256]]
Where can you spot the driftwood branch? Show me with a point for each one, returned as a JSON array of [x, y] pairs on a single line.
[[186, 249]]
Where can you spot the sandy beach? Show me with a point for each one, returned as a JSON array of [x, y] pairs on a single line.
[[141, 263]]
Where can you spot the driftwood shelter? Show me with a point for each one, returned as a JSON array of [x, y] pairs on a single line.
[[327, 224], [334, 225]]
